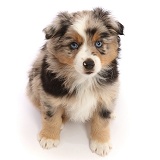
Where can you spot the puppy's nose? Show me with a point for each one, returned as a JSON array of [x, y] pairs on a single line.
[[88, 64]]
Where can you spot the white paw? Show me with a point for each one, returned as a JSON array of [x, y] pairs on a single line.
[[48, 143], [101, 149]]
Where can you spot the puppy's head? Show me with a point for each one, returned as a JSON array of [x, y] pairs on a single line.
[[88, 41]]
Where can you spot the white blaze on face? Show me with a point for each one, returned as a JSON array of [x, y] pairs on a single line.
[[80, 26], [84, 52]]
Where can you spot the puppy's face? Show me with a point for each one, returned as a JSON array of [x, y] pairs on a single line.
[[87, 40]]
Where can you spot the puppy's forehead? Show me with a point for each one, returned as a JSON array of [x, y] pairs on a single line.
[[80, 25], [87, 25]]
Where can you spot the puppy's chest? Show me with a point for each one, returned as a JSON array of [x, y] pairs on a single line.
[[83, 105]]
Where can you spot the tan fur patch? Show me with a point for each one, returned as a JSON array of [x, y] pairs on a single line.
[[77, 37], [51, 126], [65, 58], [100, 131], [110, 49], [95, 37], [110, 54]]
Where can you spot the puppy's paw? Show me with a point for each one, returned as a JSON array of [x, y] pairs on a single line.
[[101, 149], [48, 143]]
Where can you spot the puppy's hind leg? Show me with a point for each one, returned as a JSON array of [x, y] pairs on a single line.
[[49, 136]]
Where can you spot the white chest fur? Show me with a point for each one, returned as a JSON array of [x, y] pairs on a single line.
[[84, 104]]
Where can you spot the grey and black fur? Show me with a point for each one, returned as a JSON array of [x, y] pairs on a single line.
[[75, 76]]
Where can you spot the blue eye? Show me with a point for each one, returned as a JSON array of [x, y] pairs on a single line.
[[74, 45], [98, 44]]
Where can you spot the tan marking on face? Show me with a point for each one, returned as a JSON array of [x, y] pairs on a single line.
[[78, 39], [67, 55], [95, 37], [110, 50], [65, 59], [110, 54]]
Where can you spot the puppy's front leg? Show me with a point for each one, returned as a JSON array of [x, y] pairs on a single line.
[[100, 132], [51, 126]]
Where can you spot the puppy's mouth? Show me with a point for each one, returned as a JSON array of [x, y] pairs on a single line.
[[89, 72]]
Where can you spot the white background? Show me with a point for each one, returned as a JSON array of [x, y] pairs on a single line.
[[135, 131]]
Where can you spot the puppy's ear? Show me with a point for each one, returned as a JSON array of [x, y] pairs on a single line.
[[112, 25], [49, 31], [116, 26], [59, 26]]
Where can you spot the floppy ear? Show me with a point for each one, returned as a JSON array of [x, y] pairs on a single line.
[[59, 26], [112, 25], [49, 31], [120, 28]]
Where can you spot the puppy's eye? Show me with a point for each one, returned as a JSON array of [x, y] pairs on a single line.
[[98, 44], [74, 45]]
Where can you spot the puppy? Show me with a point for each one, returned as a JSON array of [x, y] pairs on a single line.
[[75, 76]]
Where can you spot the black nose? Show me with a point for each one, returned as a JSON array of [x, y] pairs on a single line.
[[89, 64]]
